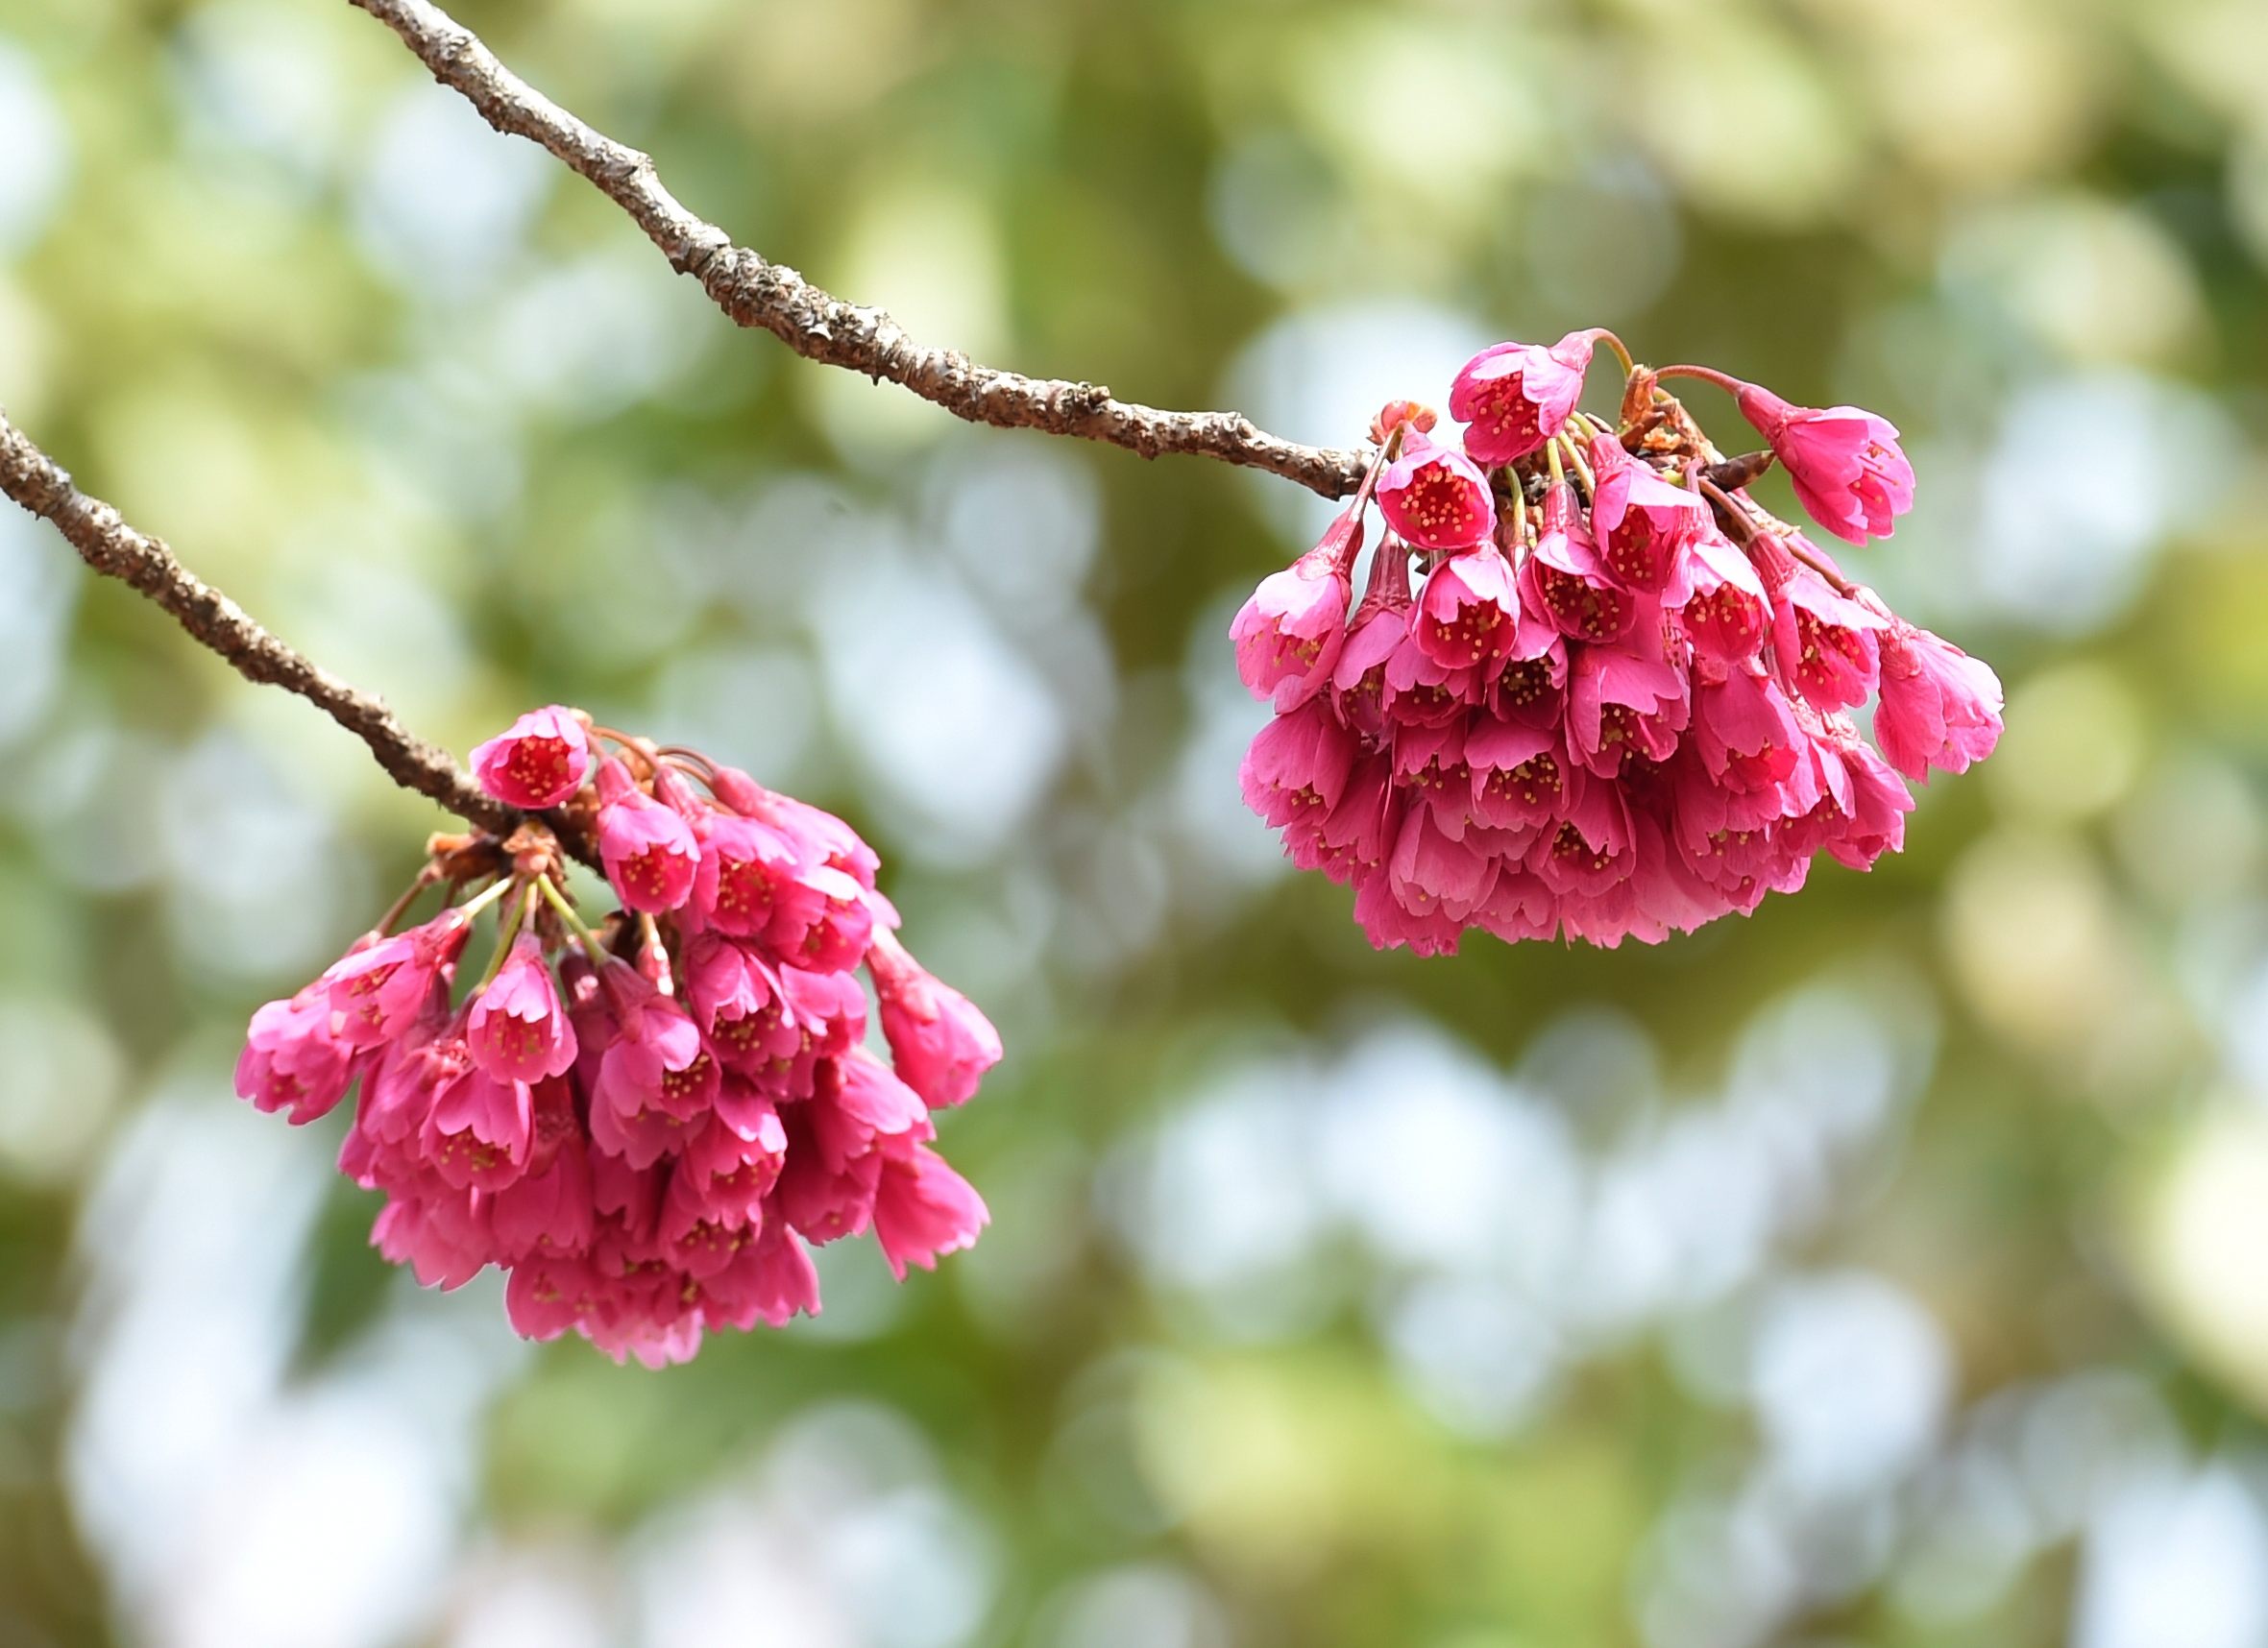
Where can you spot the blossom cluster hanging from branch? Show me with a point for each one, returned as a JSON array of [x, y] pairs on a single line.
[[641, 1120], [1616, 706]]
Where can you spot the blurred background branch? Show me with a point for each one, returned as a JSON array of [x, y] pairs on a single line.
[[817, 325]]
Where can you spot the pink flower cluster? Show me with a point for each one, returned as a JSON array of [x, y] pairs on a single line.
[[1616, 702], [643, 1124]]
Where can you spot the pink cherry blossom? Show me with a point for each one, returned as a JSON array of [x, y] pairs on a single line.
[[923, 1208], [1298, 765], [1468, 614], [480, 1130], [1430, 870], [649, 850], [1289, 632], [518, 1030], [1846, 463], [1434, 496], [1824, 643], [376, 991], [538, 762], [1940, 708], [1515, 397], [1564, 578], [939, 1042], [1623, 701], [1727, 615], [1642, 524], [294, 1059], [1519, 775]]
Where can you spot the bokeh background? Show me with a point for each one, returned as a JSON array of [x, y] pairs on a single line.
[[1888, 1269]]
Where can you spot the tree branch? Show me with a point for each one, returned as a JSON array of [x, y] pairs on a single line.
[[816, 323], [105, 543]]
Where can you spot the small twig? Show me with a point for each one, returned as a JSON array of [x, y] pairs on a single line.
[[105, 543], [756, 293]]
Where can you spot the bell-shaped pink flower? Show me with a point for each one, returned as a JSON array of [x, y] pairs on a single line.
[[377, 990], [1520, 774], [1432, 871], [1845, 463], [1434, 496], [1642, 524], [1468, 614], [518, 1030], [922, 1209], [1289, 632], [478, 1131], [549, 1292], [1512, 397], [1380, 626], [1862, 806], [770, 1280], [1592, 849], [1532, 690], [858, 1103], [824, 919], [1939, 707], [443, 1240], [939, 1043], [746, 865], [1564, 578], [1298, 765], [1727, 615], [1430, 766], [736, 994], [654, 1076], [729, 1168], [1390, 924], [649, 850], [1824, 643], [1622, 702], [1422, 691], [1751, 746], [293, 1059], [1354, 837], [538, 762], [549, 1208]]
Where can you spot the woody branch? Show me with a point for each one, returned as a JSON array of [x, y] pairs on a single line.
[[819, 325], [107, 543], [750, 289]]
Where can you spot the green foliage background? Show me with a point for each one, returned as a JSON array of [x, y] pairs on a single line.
[[1884, 1270]]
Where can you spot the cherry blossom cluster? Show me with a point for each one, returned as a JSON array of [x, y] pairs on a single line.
[[644, 1122], [1617, 700]]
